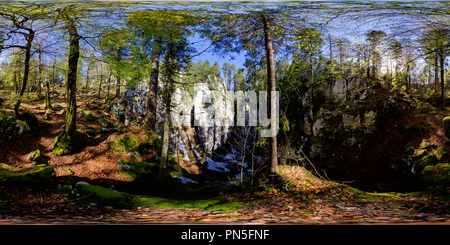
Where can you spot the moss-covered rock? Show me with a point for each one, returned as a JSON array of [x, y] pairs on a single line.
[[88, 115], [65, 144], [139, 170], [421, 163], [125, 144], [101, 195], [30, 119], [438, 176], [420, 154], [36, 157], [9, 128], [446, 123], [16, 175], [442, 154], [103, 123]]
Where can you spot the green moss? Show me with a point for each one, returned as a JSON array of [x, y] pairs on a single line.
[[101, 195], [429, 159], [36, 157], [438, 175], [125, 144], [36, 174], [446, 124], [139, 170], [442, 153], [64, 144], [212, 204], [30, 119], [420, 153], [88, 115], [423, 144]]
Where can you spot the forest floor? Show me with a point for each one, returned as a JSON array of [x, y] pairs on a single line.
[[301, 199]]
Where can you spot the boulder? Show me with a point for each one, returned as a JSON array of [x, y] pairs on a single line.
[[30, 119], [16, 175], [446, 123], [9, 128], [36, 157]]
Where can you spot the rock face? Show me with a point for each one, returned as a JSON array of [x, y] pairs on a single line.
[[349, 114], [132, 108], [352, 121]]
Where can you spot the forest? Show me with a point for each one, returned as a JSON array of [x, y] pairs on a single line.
[[224, 112]]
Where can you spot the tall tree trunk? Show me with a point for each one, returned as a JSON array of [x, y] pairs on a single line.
[[118, 59], [436, 72], [26, 71], [47, 88], [441, 64], [271, 87], [100, 81], [74, 54], [66, 141], [167, 99], [87, 78], [165, 146], [40, 72], [311, 78], [152, 102]]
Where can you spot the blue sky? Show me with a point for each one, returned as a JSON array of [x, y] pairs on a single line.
[[201, 44]]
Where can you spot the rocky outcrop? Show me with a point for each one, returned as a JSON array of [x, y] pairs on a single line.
[[351, 111], [132, 107], [351, 133]]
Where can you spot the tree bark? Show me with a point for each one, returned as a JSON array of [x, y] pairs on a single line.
[[74, 54], [167, 99], [436, 73], [271, 88], [40, 72], [152, 102], [26, 71], [441, 63]]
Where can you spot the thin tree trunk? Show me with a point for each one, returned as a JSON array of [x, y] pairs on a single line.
[[40, 72], [271, 87], [87, 79], [26, 71], [152, 102], [109, 84]]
